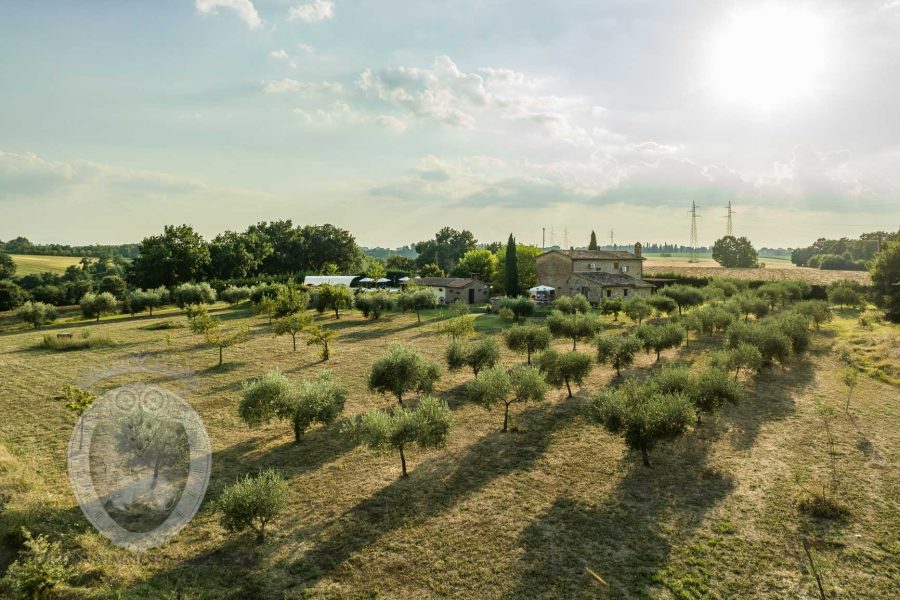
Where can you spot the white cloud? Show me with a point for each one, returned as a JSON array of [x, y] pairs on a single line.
[[338, 113], [391, 122], [278, 55], [302, 88], [314, 12], [244, 8]]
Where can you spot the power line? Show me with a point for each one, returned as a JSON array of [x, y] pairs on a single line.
[[728, 229], [694, 242]]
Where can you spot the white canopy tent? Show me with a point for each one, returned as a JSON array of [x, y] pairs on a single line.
[[315, 280], [383, 280], [541, 289]]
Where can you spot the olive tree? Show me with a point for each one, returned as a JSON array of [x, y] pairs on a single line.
[[750, 303], [253, 502], [684, 296], [643, 416], [520, 306], [426, 426], [572, 304], [479, 355], [617, 350], [291, 325], [374, 304], [818, 311], [270, 397], [417, 300], [565, 368], [94, 306], [663, 305], [289, 300], [319, 336], [402, 370], [659, 337], [519, 384], [711, 389], [527, 338], [637, 309], [612, 306], [744, 356], [575, 326], [335, 297], [37, 314], [234, 294], [193, 293]]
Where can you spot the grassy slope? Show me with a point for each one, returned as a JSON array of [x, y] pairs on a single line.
[[29, 264], [520, 515]]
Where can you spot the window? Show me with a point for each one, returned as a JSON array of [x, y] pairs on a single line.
[[608, 293], [615, 265], [625, 292]]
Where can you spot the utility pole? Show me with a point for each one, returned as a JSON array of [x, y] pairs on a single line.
[[612, 240], [694, 242], [543, 238], [728, 229], [566, 238]]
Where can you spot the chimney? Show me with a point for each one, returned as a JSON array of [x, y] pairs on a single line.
[[637, 249]]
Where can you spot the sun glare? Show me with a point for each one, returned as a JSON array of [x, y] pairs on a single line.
[[769, 56]]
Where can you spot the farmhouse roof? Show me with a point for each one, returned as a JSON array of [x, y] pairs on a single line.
[[577, 254], [612, 279], [449, 282]]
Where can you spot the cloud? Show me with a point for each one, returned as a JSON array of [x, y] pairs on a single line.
[[314, 12], [302, 88], [27, 175], [338, 113], [391, 122], [244, 9], [278, 55]]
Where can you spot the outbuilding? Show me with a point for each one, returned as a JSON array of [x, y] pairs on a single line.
[[448, 290]]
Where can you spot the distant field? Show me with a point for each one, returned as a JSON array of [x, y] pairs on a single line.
[[776, 269], [29, 264], [705, 260]]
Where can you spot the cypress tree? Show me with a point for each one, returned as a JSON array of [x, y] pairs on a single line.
[[512, 268], [593, 244]]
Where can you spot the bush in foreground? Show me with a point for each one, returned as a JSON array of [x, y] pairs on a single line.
[[41, 567], [253, 502], [63, 342]]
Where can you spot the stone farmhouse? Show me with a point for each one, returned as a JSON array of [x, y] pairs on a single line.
[[448, 290], [598, 274]]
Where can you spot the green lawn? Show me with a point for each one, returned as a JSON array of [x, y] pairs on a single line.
[[534, 513]]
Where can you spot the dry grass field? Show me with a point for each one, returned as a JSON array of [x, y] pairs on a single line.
[[28, 264], [775, 270], [558, 508]]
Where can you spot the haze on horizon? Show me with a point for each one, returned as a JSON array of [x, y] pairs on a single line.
[[395, 119]]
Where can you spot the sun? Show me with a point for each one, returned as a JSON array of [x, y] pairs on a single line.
[[769, 56]]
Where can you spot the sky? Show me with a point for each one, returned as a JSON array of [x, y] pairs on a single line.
[[393, 119]]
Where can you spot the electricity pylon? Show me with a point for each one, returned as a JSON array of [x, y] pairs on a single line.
[[694, 242], [728, 229]]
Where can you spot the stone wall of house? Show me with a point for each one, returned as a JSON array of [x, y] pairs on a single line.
[[597, 294], [447, 295], [554, 269], [634, 266]]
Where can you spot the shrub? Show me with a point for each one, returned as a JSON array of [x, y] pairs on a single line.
[[642, 415], [253, 502], [267, 398], [772, 344], [374, 304], [845, 296], [11, 295], [572, 304], [751, 304], [674, 379], [506, 314], [520, 384], [428, 426], [402, 370], [743, 356], [265, 290], [37, 314], [193, 293], [289, 300], [236, 294], [318, 401], [796, 327], [83, 340], [528, 339], [479, 355], [457, 327], [575, 326], [712, 318], [94, 306], [565, 368], [42, 566], [617, 350]]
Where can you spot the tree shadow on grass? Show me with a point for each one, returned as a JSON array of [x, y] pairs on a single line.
[[432, 488], [626, 540]]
